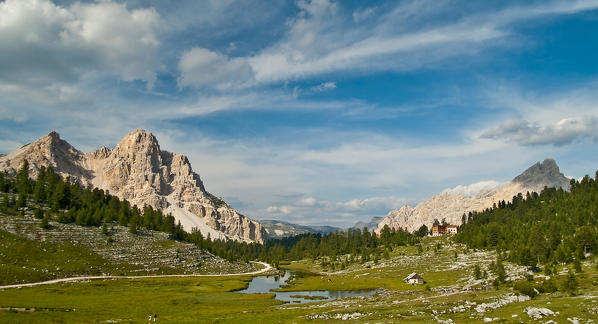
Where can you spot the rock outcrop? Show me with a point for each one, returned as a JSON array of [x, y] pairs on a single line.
[[371, 225], [451, 206], [139, 171]]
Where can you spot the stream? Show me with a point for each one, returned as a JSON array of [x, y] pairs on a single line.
[[265, 284]]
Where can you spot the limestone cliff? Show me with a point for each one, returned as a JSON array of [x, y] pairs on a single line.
[[139, 171], [451, 206]]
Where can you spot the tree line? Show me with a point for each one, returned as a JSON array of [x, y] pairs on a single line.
[[66, 201], [549, 228]]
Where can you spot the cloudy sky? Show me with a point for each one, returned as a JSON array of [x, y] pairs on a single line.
[[315, 112]]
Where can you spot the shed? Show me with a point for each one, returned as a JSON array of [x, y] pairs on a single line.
[[414, 279]]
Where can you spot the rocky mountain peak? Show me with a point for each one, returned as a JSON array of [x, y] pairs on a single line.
[[101, 153], [138, 141], [452, 206], [49, 150], [542, 174], [53, 135], [137, 170]]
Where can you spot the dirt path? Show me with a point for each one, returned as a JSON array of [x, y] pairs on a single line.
[[266, 268]]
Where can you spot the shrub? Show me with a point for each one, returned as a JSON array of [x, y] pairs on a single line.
[[526, 288], [38, 213], [549, 286]]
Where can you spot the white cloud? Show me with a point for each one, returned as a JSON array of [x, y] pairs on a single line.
[[200, 67], [309, 201], [323, 38], [45, 44], [340, 213], [474, 188], [563, 132], [363, 14], [556, 118], [325, 86]]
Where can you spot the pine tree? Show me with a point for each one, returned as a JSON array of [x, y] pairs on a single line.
[[577, 265], [22, 178], [570, 284], [21, 200], [133, 225], [45, 223], [38, 213], [5, 204], [477, 274], [501, 274]]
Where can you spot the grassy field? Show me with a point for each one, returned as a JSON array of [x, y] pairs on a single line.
[[450, 293], [29, 253], [24, 260]]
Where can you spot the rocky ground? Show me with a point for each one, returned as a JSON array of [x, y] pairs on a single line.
[[151, 252], [451, 293]]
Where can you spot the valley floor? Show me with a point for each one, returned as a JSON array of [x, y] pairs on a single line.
[[450, 295]]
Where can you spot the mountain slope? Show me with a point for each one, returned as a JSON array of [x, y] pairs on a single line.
[[279, 229], [452, 206], [371, 225], [139, 171]]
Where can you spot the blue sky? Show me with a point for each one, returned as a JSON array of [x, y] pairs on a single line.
[[315, 112]]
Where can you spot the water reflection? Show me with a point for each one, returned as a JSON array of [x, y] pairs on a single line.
[[264, 284]]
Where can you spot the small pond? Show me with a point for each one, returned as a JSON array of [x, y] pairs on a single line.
[[264, 284]]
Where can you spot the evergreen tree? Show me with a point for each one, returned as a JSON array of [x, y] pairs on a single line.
[[586, 238], [38, 213], [22, 178], [133, 225], [477, 274], [570, 284], [577, 265], [537, 241], [422, 231], [21, 200], [45, 222]]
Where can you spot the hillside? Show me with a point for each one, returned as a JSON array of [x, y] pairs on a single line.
[[553, 227], [451, 206], [139, 171], [31, 253]]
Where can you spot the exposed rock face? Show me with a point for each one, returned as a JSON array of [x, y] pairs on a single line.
[[278, 229], [137, 170], [371, 225], [451, 207]]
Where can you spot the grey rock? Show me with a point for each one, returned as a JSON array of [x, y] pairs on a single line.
[[452, 206], [139, 171]]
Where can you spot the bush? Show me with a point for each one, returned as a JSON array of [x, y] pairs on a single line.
[[577, 265], [496, 283], [526, 288], [38, 213], [45, 223], [549, 286]]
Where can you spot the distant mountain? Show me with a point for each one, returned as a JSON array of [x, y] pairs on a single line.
[[139, 171], [371, 225], [279, 229], [451, 206]]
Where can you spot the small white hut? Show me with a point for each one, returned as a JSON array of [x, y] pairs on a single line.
[[414, 279]]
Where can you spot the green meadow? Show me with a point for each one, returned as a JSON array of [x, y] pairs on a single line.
[[448, 294]]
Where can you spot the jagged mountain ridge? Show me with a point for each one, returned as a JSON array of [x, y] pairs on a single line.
[[451, 206], [371, 225], [278, 229], [139, 171]]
